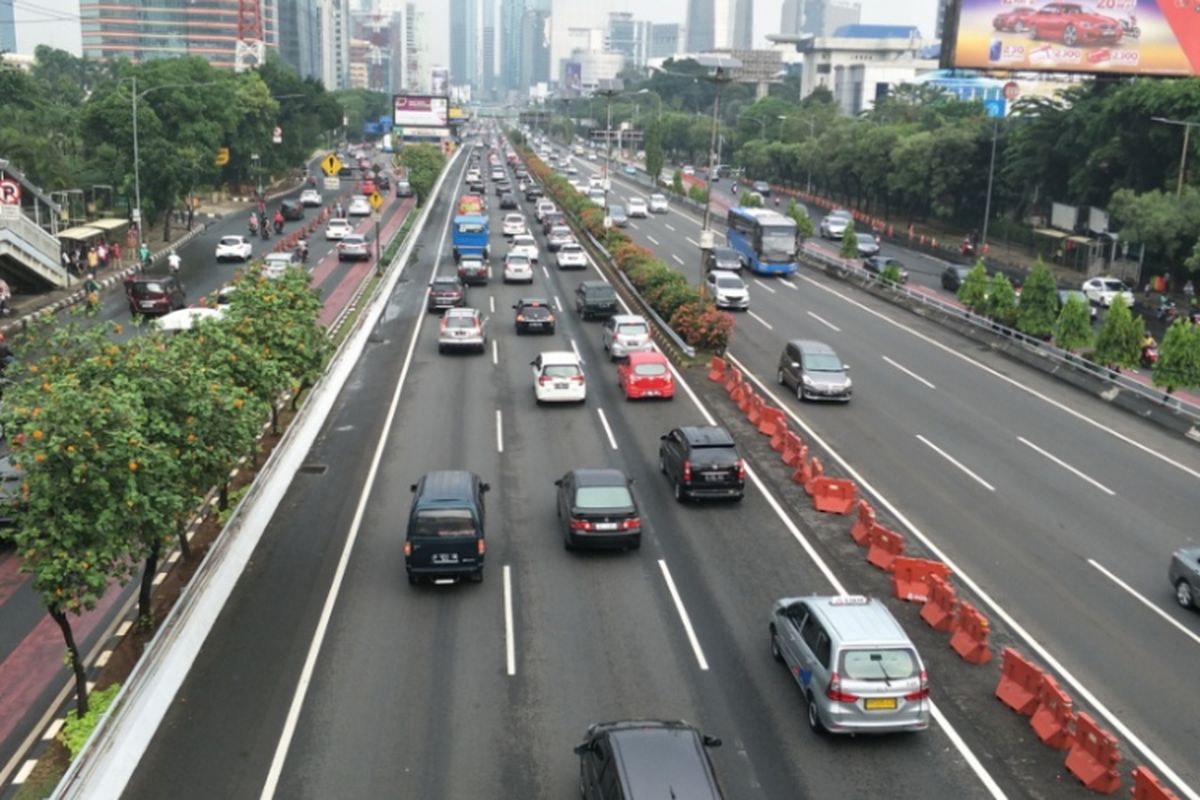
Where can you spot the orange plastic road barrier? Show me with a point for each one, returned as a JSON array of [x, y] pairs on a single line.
[[863, 524], [1147, 786], [780, 434], [1052, 719], [883, 546], [910, 577], [969, 635], [833, 495], [816, 470], [803, 472], [938, 611], [1019, 683], [1094, 756], [755, 410], [770, 422], [733, 379], [745, 397], [792, 444], [716, 369]]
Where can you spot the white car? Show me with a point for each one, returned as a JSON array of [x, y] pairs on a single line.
[[526, 245], [473, 176], [571, 256], [596, 196], [636, 207], [658, 203], [591, 156], [543, 208], [833, 226], [310, 197], [337, 228], [727, 289], [518, 268], [595, 182], [558, 236], [558, 377], [276, 264], [233, 248], [514, 225], [688, 169], [1101, 291], [359, 206]]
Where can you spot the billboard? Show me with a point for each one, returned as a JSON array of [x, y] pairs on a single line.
[[573, 79], [1136, 37], [421, 111], [439, 78]]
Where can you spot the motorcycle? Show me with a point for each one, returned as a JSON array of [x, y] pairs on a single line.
[[1149, 355], [1167, 312], [265, 231], [967, 248], [302, 251], [279, 226]]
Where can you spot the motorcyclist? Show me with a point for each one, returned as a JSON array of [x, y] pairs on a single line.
[[302, 249], [253, 222], [91, 290], [278, 221], [173, 261]]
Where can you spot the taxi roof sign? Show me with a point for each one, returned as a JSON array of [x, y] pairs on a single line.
[[376, 200], [331, 164]]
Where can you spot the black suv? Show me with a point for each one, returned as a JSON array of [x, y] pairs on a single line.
[[445, 536], [446, 291], [291, 209], [702, 461], [953, 277], [534, 314], [595, 300], [534, 192], [642, 759]]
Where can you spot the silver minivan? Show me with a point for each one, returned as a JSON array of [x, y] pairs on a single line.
[[814, 371], [625, 334], [859, 671]]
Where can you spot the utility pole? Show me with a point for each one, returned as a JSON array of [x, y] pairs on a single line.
[[1187, 130], [719, 78], [987, 205], [613, 88]]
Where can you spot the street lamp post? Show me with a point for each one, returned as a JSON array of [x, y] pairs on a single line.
[[1187, 130], [987, 204], [719, 77], [614, 89]]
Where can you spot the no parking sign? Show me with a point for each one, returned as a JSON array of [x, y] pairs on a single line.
[[10, 192]]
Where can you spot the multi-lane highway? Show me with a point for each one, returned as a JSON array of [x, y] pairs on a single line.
[[328, 675], [32, 673], [1061, 508]]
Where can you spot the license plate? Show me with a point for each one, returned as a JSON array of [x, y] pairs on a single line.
[[562, 386], [713, 476], [147, 304], [445, 558], [534, 324], [606, 526], [651, 393], [880, 704]]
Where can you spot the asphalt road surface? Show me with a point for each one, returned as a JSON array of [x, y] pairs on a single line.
[[1063, 509], [443, 691]]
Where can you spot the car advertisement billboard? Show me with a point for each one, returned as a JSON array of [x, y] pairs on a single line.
[[573, 79], [421, 111], [1138, 37]]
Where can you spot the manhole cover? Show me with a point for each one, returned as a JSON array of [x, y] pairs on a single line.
[[314, 469]]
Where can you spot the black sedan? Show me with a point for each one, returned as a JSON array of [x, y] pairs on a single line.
[[508, 200], [877, 264], [953, 277], [762, 187], [596, 509]]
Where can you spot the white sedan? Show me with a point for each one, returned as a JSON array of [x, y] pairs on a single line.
[[233, 248], [636, 207], [514, 225], [571, 256], [359, 206], [310, 197], [1101, 291], [658, 203], [558, 377], [518, 269], [525, 245], [337, 229]]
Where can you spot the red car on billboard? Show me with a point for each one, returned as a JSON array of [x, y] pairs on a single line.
[[1070, 24], [1017, 20]]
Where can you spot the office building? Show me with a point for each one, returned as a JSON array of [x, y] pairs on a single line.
[[8, 28], [791, 17], [487, 67], [465, 43], [416, 50], [333, 19], [299, 36], [710, 23], [535, 46], [666, 40], [630, 37], [741, 24], [512, 13], [141, 30], [823, 17], [590, 68]]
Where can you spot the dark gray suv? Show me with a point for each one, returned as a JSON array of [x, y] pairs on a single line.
[[814, 371], [702, 461], [1185, 576], [646, 759]]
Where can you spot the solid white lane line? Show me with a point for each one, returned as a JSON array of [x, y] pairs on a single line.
[[492, 303], [653, 241], [692, 242], [683, 615], [612, 440], [956, 463], [1144, 601], [760, 320], [510, 644], [1112, 718], [909, 373], [1067, 466], [546, 272], [825, 322], [764, 286], [314, 649], [557, 303], [1010, 381], [575, 347], [787, 283], [668, 226], [677, 258], [499, 431], [495, 352]]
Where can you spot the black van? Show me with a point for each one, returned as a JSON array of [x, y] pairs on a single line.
[[644, 759], [445, 539]]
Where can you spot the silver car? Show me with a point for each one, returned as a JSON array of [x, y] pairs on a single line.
[[834, 224], [859, 671], [814, 371], [624, 334], [727, 289], [1185, 576]]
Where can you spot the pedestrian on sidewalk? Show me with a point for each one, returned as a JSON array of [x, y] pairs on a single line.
[[5, 298], [102, 254], [93, 258], [116, 253], [1189, 291], [68, 265]]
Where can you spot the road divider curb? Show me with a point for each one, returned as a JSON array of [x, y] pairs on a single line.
[[1094, 756]]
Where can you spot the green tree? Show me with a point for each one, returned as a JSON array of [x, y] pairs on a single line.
[[1001, 303], [804, 226], [1120, 341], [424, 163], [677, 182], [849, 248], [1038, 309], [750, 200], [1073, 329], [654, 151], [973, 291], [1178, 365]]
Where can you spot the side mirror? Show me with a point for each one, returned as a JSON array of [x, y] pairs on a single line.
[[663, 438], [485, 487], [795, 365], [533, 363], [412, 487], [580, 749], [845, 367], [711, 741], [558, 482]]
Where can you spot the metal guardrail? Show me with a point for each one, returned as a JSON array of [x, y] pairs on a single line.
[[1056, 360]]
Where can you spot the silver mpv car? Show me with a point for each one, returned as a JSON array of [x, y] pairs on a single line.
[[814, 371], [858, 670]]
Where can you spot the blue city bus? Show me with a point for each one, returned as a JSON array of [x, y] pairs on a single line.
[[470, 236], [765, 238]]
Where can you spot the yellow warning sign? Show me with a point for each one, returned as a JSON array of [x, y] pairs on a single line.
[[331, 165], [376, 200]]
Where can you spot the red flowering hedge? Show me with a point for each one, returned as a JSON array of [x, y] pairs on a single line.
[[703, 326]]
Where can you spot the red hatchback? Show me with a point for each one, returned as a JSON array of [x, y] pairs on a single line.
[[646, 375]]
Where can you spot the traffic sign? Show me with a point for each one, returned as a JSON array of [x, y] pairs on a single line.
[[995, 108], [376, 200], [1011, 91], [333, 183], [10, 192], [222, 157], [331, 165]]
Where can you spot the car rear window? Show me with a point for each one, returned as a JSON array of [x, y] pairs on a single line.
[[718, 453], [730, 283], [461, 321], [600, 292], [445, 286], [881, 664], [536, 312], [587, 497], [650, 370], [561, 370], [444, 522], [1114, 286], [632, 329], [147, 289]]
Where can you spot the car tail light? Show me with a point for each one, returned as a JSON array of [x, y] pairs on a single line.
[[923, 692], [630, 524], [741, 466], [545, 379], [407, 549], [687, 471], [835, 693], [577, 379], [580, 524], [520, 317], [481, 547]]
